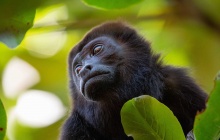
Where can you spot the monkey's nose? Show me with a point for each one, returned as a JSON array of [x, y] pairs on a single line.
[[85, 70], [89, 67]]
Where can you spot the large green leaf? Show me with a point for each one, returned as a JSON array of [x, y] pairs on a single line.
[[3, 121], [145, 118], [111, 4], [207, 124]]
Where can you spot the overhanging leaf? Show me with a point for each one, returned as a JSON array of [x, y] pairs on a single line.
[[3, 121], [13, 29], [111, 4], [145, 118], [207, 124]]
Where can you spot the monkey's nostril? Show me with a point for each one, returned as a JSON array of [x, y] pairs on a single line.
[[89, 67], [85, 70]]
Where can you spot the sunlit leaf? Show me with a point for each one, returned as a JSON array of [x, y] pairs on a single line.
[[207, 124], [111, 4], [145, 118], [3, 121]]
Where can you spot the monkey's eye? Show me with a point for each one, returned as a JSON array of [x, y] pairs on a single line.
[[97, 49], [78, 69]]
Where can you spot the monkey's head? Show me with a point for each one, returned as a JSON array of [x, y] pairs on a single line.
[[109, 58]]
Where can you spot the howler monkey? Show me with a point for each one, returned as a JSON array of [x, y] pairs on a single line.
[[113, 64]]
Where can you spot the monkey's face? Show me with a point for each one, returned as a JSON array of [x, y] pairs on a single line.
[[95, 67]]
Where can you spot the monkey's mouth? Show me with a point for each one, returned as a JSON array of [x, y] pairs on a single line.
[[92, 81]]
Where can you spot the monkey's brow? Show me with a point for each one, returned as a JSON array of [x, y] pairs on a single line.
[[87, 48]]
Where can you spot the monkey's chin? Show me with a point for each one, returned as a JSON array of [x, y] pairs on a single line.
[[95, 87]]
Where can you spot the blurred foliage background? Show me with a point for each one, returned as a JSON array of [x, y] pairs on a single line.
[[34, 75]]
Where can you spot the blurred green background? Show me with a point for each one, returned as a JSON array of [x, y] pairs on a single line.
[[34, 75]]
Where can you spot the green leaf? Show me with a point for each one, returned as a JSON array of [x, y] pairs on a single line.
[[145, 118], [13, 29], [3, 121], [111, 4], [207, 124]]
